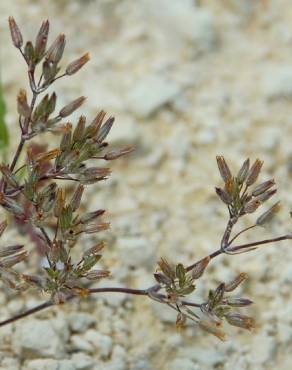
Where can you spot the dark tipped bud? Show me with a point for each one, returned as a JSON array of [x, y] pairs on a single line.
[[166, 269], [95, 125], [241, 321], [15, 33], [105, 129], [114, 154], [97, 274], [55, 51], [88, 217], [77, 64], [254, 172], [224, 196], [267, 195], [79, 130], [23, 108], [29, 53], [95, 228], [199, 267], [251, 206], [237, 302], [76, 199], [71, 107], [268, 215], [232, 285], [223, 169], [263, 187], [94, 250], [243, 172], [41, 39]]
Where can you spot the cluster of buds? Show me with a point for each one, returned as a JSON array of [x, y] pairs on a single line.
[[240, 193]]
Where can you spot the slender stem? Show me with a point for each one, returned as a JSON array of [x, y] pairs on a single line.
[[261, 242], [47, 304], [241, 232], [17, 154], [119, 290], [27, 313]]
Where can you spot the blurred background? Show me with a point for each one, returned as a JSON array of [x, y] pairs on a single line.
[[186, 80]]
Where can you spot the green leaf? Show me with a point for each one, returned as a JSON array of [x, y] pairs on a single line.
[[4, 137]]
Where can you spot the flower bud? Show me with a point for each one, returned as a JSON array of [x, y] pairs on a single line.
[[237, 302], [55, 52], [223, 168], [268, 215], [254, 172], [15, 33], [224, 196], [41, 39], [77, 64], [71, 107], [114, 154], [263, 187], [199, 267], [232, 285], [243, 172], [239, 320]]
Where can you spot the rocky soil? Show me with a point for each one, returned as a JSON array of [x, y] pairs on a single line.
[[186, 80]]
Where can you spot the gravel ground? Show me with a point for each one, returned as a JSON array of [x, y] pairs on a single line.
[[186, 80]]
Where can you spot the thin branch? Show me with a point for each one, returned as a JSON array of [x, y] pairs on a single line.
[[27, 313], [241, 232], [261, 242]]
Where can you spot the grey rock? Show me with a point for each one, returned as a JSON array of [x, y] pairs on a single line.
[[35, 338], [102, 343], [151, 93], [78, 343], [50, 364], [79, 322], [136, 252], [82, 361]]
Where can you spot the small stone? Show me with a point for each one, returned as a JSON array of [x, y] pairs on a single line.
[[82, 361], [102, 343], [79, 322], [151, 93], [50, 364], [136, 252], [78, 343], [35, 338]]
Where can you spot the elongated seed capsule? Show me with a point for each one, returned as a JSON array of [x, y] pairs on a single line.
[[15, 33], [224, 196], [232, 285], [41, 39], [71, 107], [263, 187], [55, 51], [77, 64], [200, 267], [239, 320], [243, 172], [223, 168], [254, 172], [268, 215]]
